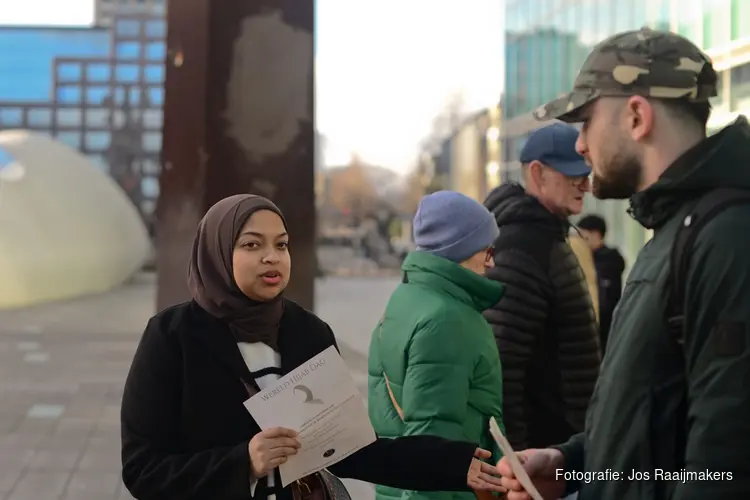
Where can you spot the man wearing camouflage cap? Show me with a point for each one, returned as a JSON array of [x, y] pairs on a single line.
[[670, 415]]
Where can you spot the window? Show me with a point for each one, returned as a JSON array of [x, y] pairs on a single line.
[[150, 167], [156, 29], [659, 17], [152, 118], [715, 23], [156, 52], [97, 141], [69, 94], [690, 20], [11, 117], [135, 96], [128, 50], [97, 118], [156, 96], [97, 95], [513, 20], [155, 74], [70, 139], [39, 117], [507, 145], [126, 73], [120, 95], [640, 14], [150, 187], [67, 72], [97, 72], [589, 27], [118, 118], [152, 141], [128, 28], [740, 19], [69, 117], [740, 78]]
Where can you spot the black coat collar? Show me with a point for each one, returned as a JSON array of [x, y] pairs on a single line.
[[297, 339]]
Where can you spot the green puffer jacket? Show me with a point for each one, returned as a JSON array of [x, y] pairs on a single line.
[[440, 359]]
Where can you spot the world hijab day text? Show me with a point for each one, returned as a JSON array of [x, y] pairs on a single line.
[[293, 379]]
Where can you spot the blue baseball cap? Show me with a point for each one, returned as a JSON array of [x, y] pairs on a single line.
[[555, 146]]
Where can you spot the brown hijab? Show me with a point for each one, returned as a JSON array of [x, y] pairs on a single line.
[[211, 277]]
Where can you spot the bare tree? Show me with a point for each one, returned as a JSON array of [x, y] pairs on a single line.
[[446, 121], [350, 191], [422, 179]]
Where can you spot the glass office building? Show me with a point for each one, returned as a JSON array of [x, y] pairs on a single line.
[[97, 90], [548, 40]]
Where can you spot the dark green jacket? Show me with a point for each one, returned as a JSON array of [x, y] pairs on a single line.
[[633, 423], [440, 358]]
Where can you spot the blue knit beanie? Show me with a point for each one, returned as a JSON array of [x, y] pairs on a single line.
[[453, 226]]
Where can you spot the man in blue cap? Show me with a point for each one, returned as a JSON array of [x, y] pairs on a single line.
[[545, 326]]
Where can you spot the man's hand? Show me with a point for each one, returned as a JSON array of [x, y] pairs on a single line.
[[271, 448], [482, 476], [541, 465]]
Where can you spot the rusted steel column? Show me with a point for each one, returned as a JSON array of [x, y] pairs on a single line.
[[238, 118]]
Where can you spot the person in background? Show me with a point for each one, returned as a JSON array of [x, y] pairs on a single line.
[[585, 258], [433, 363], [545, 325], [609, 268], [186, 434]]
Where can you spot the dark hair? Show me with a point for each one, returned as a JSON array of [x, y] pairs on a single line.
[[683, 109], [593, 223], [695, 111]]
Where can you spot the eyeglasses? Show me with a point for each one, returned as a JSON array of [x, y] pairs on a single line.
[[579, 181], [489, 253]]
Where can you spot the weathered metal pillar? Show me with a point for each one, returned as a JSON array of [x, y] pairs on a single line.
[[238, 118]]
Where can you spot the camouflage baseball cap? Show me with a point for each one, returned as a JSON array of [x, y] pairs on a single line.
[[643, 62]]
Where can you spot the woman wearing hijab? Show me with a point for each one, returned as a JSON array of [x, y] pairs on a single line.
[[185, 431]]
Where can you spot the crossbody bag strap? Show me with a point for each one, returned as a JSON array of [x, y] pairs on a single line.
[[396, 406], [481, 495]]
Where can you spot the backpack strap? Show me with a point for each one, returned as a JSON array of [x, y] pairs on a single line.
[[705, 209]]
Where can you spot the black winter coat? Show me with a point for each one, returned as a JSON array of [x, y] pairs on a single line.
[[545, 325], [609, 268], [678, 414], [185, 431]]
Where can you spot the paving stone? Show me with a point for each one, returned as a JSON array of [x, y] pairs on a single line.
[[92, 486], [36, 357], [54, 460], [28, 346], [40, 485], [9, 476], [46, 411], [96, 460]]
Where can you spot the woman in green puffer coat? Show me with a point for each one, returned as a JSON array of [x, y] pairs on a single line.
[[434, 367]]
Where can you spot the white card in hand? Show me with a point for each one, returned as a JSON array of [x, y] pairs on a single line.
[[515, 463]]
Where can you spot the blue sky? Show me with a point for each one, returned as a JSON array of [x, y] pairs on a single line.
[[384, 67]]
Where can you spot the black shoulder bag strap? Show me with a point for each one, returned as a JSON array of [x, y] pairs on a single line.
[[707, 207]]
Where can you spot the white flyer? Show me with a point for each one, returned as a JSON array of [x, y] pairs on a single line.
[[515, 463], [320, 400]]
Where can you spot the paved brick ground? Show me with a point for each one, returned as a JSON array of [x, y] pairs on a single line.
[[62, 367]]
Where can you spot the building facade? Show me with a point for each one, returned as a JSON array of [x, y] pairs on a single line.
[[468, 159], [105, 11], [547, 41], [97, 90]]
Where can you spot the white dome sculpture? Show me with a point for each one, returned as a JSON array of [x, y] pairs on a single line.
[[66, 228]]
